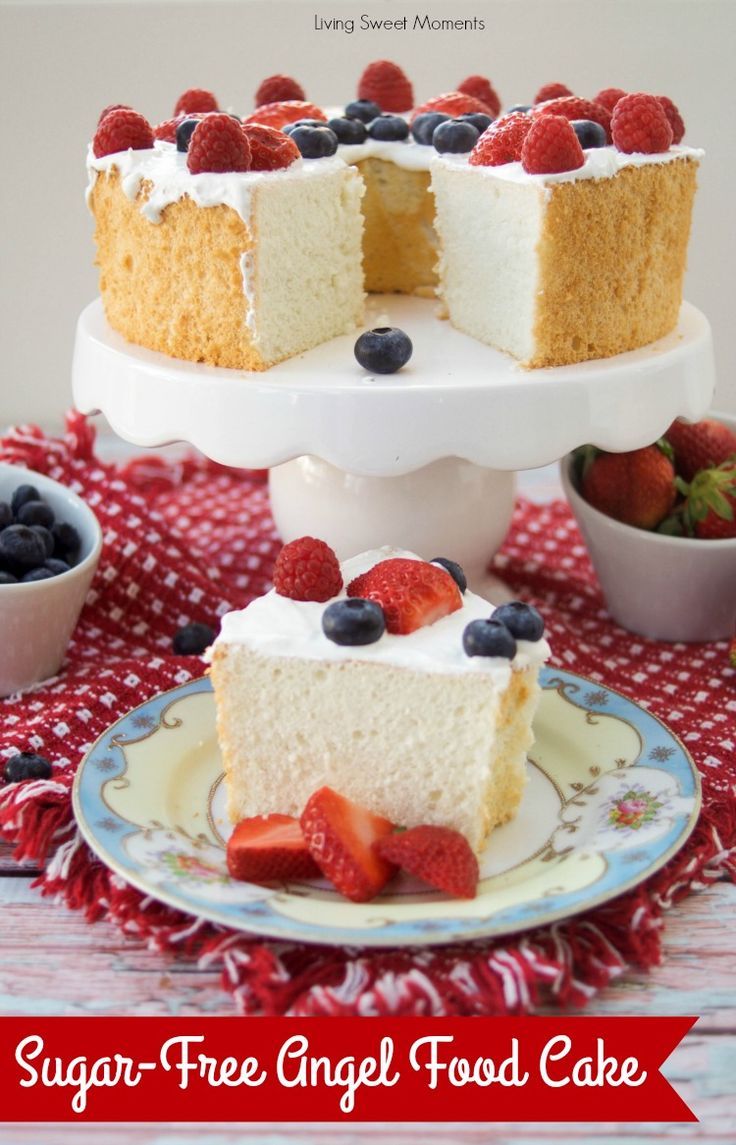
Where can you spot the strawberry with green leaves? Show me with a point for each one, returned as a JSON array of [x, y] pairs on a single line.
[[710, 502], [700, 445]]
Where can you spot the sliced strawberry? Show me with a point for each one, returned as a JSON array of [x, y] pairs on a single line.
[[269, 848], [340, 836], [284, 111], [411, 593], [439, 856]]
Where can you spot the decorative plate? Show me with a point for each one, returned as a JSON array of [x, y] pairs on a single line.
[[612, 795]]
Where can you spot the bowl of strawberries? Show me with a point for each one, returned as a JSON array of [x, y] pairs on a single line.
[[660, 526]]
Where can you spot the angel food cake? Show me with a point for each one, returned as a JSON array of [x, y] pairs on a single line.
[[392, 684]]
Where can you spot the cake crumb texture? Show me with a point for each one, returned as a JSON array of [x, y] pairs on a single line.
[[399, 239]]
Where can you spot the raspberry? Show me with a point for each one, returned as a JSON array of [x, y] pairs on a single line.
[[551, 146], [640, 124], [551, 91], [452, 103], [285, 111], [195, 99], [502, 142], [307, 569], [609, 97], [120, 130], [481, 88], [574, 108], [113, 107], [167, 130], [675, 119], [275, 89], [387, 85], [218, 143], [270, 150]]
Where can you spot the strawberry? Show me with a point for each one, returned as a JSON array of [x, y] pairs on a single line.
[[195, 99], [274, 89], [452, 103], [307, 569], [501, 142], [676, 121], [608, 97], [481, 88], [341, 836], [386, 84], [710, 507], [551, 146], [267, 848], [218, 143], [270, 150], [120, 130], [440, 856], [637, 488], [551, 91], [411, 593], [284, 111], [700, 445], [639, 124], [573, 108]]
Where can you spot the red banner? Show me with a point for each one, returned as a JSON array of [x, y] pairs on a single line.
[[339, 1069]]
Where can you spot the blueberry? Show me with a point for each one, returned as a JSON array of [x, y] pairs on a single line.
[[348, 130], [455, 137], [46, 536], [521, 108], [67, 541], [589, 134], [363, 109], [184, 133], [22, 494], [522, 620], [7, 578], [488, 638], [423, 126], [353, 621], [26, 765], [21, 549], [478, 120], [455, 571], [55, 566], [315, 142], [303, 123], [41, 573], [192, 639], [389, 128], [35, 513], [383, 350], [6, 514]]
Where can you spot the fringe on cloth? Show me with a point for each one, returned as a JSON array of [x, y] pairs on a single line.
[[157, 518]]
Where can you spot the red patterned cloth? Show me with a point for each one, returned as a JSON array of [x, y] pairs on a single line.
[[187, 541]]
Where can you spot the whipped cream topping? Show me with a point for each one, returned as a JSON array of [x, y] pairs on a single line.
[[403, 153], [274, 625]]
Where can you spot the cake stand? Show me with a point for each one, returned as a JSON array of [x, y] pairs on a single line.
[[424, 459]]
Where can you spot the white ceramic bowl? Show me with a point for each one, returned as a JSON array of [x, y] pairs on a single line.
[[667, 588], [38, 618]]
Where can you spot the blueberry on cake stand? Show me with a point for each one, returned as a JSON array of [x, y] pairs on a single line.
[[424, 459]]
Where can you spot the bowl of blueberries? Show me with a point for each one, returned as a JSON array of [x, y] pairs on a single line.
[[50, 544]]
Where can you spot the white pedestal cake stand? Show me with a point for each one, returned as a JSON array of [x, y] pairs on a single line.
[[423, 459]]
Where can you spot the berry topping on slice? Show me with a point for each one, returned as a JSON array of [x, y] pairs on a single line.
[[422, 128], [195, 99], [341, 837], [551, 91], [676, 121], [218, 143], [348, 129], [455, 571], [609, 97], [522, 620], [502, 142], [276, 89], [551, 146], [184, 130], [710, 509], [383, 350], [390, 128], [285, 111], [269, 848], [363, 109], [112, 107], [353, 622], [481, 88], [314, 142], [589, 133], [439, 856], [639, 124], [386, 84], [456, 137], [192, 639], [700, 445], [302, 123], [166, 131], [488, 637], [573, 108], [636, 488], [453, 103], [307, 569], [411, 593], [479, 120], [270, 150], [122, 130], [26, 765]]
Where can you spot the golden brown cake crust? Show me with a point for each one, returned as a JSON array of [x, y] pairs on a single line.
[[399, 240]]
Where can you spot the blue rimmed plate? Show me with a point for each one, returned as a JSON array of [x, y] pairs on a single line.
[[612, 795]]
